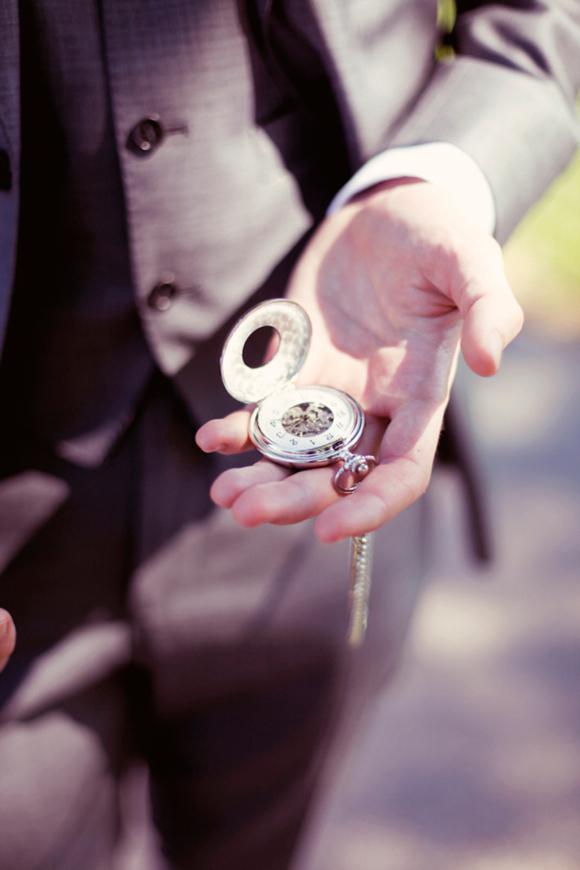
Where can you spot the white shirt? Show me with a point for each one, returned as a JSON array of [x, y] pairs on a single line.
[[437, 162]]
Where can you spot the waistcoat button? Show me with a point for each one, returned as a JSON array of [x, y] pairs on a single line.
[[163, 293], [146, 135]]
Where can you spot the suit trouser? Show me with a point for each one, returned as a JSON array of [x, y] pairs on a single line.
[[150, 625]]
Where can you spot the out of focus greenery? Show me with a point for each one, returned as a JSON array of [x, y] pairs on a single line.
[[446, 15], [543, 258]]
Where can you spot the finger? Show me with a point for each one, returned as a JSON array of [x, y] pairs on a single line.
[[389, 489], [296, 498], [226, 435], [402, 476], [7, 637], [265, 495], [490, 324], [232, 483], [492, 316]]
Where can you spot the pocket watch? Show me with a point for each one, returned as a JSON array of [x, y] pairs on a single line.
[[302, 426]]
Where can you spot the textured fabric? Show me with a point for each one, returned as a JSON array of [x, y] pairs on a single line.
[[511, 109], [75, 355], [59, 791], [76, 360], [140, 635], [218, 172], [508, 98], [148, 622]]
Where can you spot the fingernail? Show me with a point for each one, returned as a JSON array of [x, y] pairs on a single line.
[[208, 449], [4, 623], [495, 346]]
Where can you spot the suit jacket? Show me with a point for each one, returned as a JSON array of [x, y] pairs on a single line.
[[204, 200], [507, 100]]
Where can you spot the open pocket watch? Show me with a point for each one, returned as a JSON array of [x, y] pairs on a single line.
[[301, 426]]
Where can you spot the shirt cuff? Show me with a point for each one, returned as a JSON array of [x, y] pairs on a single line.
[[438, 162]]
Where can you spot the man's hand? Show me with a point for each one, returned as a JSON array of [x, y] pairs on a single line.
[[393, 283], [7, 637]]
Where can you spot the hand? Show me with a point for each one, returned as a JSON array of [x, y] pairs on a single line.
[[7, 637], [393, 283]]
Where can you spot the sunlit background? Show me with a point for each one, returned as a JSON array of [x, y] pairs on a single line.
[[473, 759]]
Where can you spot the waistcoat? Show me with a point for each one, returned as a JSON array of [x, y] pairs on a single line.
[[161, 173], [174, 152]]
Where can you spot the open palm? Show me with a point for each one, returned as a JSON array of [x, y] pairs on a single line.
[[392, 283]]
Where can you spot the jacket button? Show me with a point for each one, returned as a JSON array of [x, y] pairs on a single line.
[[163, 294], [145, 135]]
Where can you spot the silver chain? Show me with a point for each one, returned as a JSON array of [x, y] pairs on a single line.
[[361, 566], [355, 468]]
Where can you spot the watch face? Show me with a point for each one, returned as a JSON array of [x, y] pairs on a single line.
[[295, 426], [305, 426]]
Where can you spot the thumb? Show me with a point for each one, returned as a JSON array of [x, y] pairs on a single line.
[[7, 637], [491, 317]]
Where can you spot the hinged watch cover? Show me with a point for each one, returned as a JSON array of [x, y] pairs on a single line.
[[302, 426], [292, 324]]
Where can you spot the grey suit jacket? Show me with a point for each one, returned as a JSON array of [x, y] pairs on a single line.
[[508, 100]]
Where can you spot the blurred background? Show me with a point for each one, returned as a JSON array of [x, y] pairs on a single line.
[[472, 761]]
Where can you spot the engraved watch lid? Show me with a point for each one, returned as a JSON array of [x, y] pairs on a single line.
[[292, 324]]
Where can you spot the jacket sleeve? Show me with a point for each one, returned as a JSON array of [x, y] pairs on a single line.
[[507, 99]]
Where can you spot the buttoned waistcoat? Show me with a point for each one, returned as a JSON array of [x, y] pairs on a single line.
[[508, 107], [217, 212]]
